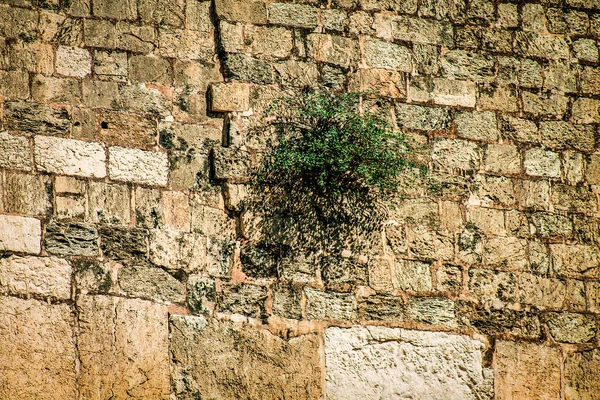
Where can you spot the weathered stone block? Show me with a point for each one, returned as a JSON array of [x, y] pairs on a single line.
[[138, 166], [123, 348], [28, 194], [73, 61], [31, 118], [380, 54], [540, 162], [37, 350], [432, 310], [454, 92], [477, 125], [248, 300], [503, 321], [225, 360], [586, 50], [20, 234], [231, 164], [329, 305], [14, 152], [360, 361], [110, 64], [428, 244], [46, 89], [33, 57], [412, 29], [381, 308], [560, 134], [571, 328], [71, 238], [545, 46], [554, 105], [487, 284], [456, 154], [100, 94], [581, 379], [412, 116], [163, 12], [109, 203], [254, 12], [575, 260], [296, 15], [186, 44], [333, 49], [151, 283], [502, 159], [526, 369], [230, 97], [574, 199], [69, 157], [520, 130], [413, 275], [25, 276], [541, 292], [461, 64], [585, 111], [552, 225]]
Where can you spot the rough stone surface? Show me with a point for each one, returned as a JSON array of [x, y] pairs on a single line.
[[324, 305], [47, 276], [37, 350], [361, 360], [14, 152], [123, 347], [226, 360], [572, 328], [20, 234], [69, 157], [581, 381], [138, 166], [526, 369], [71, 238]]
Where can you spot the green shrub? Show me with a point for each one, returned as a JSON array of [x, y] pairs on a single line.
[[328, 147]]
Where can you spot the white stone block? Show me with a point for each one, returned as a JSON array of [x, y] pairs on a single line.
[[69, 157], [138, 166], [20, 234], [73, 61], [45, 276]]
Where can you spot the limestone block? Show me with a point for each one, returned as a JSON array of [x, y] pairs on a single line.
[[571, 328], [186, 44], [212, 221], [146, 69], [413, 275], [34, 57], [225, 360], [69, 157], [429, 244], [560, 134], [502, 159], [48, 276], [177, 251], [295, 15], [248, 300], [117, 128], [14, 152], [195, 75], [151, 283], [115, 9], [408, 7], [456, 154], [487, 284], [585, 111], [422, 118], [14, 84], [100, 33], [110, 64], [552, 225], [253, 11], [506, 253], [73, 61], [47, 89], [232, 164], [361, 361], [71, 238], [333, 49], [20, 234], [454, 93], [123, 348], [287, 302], [381, 54], [230, 97], [420, 211], [37, 350], [522, 72], [575, 260], [329, 305], [100, 94], [163, 12], [541, 292], [461, 64], [412, 29], [540, 162], [123, 243], [477, 125], [145, 99], [578, 199], [138, 166], [28, 194], [494, 322], [538, 45], [526, 370], [586, 50], [581, 377], [31, 118], [109, 203], [533, 194], [143, 39], [267, 41], [520, 130]]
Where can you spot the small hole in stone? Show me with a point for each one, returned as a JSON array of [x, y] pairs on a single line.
[[104, 125]]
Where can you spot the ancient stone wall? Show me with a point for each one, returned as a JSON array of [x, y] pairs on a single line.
[[132, 267]]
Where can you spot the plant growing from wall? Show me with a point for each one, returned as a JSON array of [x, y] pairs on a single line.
[[330, 162]]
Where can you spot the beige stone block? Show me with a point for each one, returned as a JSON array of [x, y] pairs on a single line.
[[83, 123], [178, 251], [28, 194], [540, 162], [553, 105], [429, 244], [489, 220], [14, 152], [109, 203], [115, 9], [533, 194], [110, 64], [477, 125], [253, 11], [146, 99], [123, 348], [55, 90], [163, 12], [69, 157], [451, 216], [138, 166], [100, 94], [502, 159], [146, 69], [212, 221], [230, 97], [329, 305], [581, 377], [73, 61], [230, 361], [69, 185], [37, 350], [456, 154], [267, 41], [141, 39], [186, 44], [14, 84], [176, 211], [333, 49], [487, 284], [498, 98], [33, 57], [386, 55], [526, 370], [574, 260], [454, 93], [124, 129], [541, 292], [506, 253], [42, 276], [99, 33], [20, 234], [413, 275], [148, 209], [70, 208], [585, 111], [195, 75]]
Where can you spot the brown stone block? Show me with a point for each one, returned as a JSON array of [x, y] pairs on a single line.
[[130, 130], [28, 194], [56, 90], [526, 371], [582, 381], [37, 350], [123, 347]]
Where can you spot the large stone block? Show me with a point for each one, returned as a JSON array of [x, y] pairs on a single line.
[[571, 328], [296, 15], [37, 350], [47, 276], [230, 97], [69, 157], [71, 238], [123, 348], [31, 118], [381, 54], [138, 166], [14, 152], [109, 203], [526, 370], [456, 154], [581, 375], [412, 29], [328, 305], [73, 61], [333, 49], [28, 194], [20, 234], [413, 116], [230, 361], [575, 260], [376, 362]]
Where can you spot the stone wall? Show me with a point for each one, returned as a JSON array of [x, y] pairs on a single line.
[[130, 267]]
